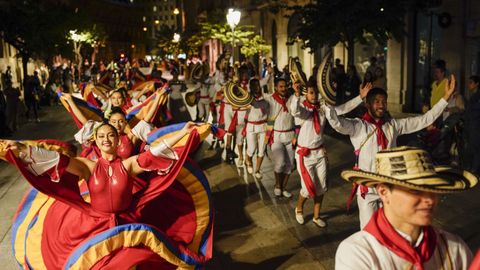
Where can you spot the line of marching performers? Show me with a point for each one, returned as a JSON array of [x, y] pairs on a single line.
[[292, 123], [396, 187]]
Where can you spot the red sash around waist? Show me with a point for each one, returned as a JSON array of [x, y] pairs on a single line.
[[307, 179]]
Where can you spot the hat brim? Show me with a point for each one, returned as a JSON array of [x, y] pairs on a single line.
[[236, 100], [446, 180], [324, 83], [197, 72], [191, 98]]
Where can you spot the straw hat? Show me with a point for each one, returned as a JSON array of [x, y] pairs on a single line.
[[296, 73], [237, 96], [197, 72], [324, 83], [191, 98], [412, 168]]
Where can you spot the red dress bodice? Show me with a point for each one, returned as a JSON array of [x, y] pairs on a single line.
[[110, 186], [125, 147]]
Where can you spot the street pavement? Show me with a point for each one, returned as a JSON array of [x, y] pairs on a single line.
[[253, 228]]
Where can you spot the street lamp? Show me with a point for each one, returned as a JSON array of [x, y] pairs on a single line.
[[176, 11], [233, 18], [176, 37]]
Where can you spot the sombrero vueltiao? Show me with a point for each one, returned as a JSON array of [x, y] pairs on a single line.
[[412, 168], [324, 82], [191, 98], [197, 72], [296, 73], [237, 96]]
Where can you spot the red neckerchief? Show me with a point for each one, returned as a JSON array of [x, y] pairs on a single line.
[[382, 230], [382, 140], [316, 117], [281, 100]]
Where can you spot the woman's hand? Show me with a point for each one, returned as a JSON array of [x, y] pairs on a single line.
[[189, 126], [68, 97], [19, 149]]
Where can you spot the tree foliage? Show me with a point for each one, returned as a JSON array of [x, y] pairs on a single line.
[[37, 28], [242, 35], [328, 22], [166, 45]]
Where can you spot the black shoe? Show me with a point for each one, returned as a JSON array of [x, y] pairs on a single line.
[[230, 156]]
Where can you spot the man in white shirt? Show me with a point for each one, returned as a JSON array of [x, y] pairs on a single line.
[[376, 131], [281, 139], [399, 235]]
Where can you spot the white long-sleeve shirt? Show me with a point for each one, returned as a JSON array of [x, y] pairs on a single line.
[[283, 121], [258, 112], [359, 130], [362, 251], [304, 116]]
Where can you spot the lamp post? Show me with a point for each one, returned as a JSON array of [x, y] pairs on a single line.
[[176, 37], [233, 18]]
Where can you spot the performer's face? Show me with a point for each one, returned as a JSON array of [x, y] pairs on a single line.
[[118, 121], [312, 95], [281, 88], [117, 99], [106, 139], [257, 90], [438, 74], [378, 107], [472, 85], [407, 207]]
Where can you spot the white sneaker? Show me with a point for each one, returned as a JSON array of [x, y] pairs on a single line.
[[319, 222], [258, 175], [240, 163], [250, 169], [299, 216], [277, 192], [286, 194]]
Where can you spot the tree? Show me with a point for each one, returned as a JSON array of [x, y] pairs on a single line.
[[78, 40], [36, 28], [167, 44], [328, 22], [90, 36], [242, 35]]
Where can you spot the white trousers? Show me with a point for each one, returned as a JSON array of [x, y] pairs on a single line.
[[283, 157], [256, 141], [204, 109], [316, 165]]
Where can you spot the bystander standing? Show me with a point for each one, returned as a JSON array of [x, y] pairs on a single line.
[[12, 96]]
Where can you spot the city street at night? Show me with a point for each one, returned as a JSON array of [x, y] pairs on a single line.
[[239, 134]]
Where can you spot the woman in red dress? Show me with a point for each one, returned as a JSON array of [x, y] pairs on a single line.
[[126, 212]]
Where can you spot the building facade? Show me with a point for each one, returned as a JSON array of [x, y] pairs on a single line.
[[121, 20], [446, 29], [8, 58]]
